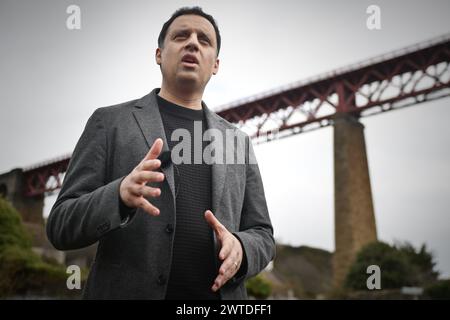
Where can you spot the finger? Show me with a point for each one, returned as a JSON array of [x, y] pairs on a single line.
[[143, 190], [155, 150], [148, 207], [214, 223], [150, 165], [219, 282], [225, 251], [146, 191], [226, 271], [229, 266], [148, 176]]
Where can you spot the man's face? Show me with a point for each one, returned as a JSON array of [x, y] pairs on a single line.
[[189, 55]]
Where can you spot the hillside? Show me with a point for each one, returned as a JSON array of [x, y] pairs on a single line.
[[306, 271]]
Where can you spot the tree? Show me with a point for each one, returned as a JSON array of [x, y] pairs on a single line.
[[395, 269], [401, 265], [422, 262]]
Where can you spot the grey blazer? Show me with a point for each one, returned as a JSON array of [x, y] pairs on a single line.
[[134, 257]]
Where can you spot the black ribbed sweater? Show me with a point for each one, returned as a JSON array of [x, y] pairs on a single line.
[[193, 267]]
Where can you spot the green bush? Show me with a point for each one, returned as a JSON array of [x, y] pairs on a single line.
[[258, 287], [439, 290], [21, 270], [12, 231]]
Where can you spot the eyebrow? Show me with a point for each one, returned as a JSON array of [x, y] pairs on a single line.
[[188, 31]]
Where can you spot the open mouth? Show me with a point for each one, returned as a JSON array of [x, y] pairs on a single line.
[[189, 60]]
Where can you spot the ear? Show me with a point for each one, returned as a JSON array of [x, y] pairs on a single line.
[[216, 66], [158, 56]]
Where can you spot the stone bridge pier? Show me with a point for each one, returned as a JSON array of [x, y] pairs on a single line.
[[354, 224]]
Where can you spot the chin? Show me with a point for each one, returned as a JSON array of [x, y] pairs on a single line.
[[188, 80]]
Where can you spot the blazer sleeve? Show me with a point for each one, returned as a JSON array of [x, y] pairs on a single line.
[[256, 231], [87, 206]]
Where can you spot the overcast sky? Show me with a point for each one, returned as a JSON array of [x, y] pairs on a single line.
[[52, 79]]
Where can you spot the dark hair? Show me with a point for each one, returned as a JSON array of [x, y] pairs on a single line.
[[184, 11]]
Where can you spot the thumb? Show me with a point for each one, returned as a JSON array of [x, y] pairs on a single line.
[[213, 222]]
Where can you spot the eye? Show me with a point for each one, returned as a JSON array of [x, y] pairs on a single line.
[[205, 40], [179, 36]]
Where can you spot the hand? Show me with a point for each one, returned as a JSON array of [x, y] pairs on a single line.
[[133, 189], [230, 253]]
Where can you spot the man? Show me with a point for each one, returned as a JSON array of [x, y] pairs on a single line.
[[166, 230]]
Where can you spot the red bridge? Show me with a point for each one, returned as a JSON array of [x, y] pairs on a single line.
[[399, 79]]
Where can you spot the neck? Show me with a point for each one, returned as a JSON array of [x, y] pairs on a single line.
[[187, 99]]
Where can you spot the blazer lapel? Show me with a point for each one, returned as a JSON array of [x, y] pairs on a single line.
[[149, 120], [218, 170]]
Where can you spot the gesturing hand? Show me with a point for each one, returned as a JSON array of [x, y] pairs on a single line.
[[230, 253], [133, 189]]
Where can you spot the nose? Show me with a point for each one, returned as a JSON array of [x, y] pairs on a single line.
[[192, 44]]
